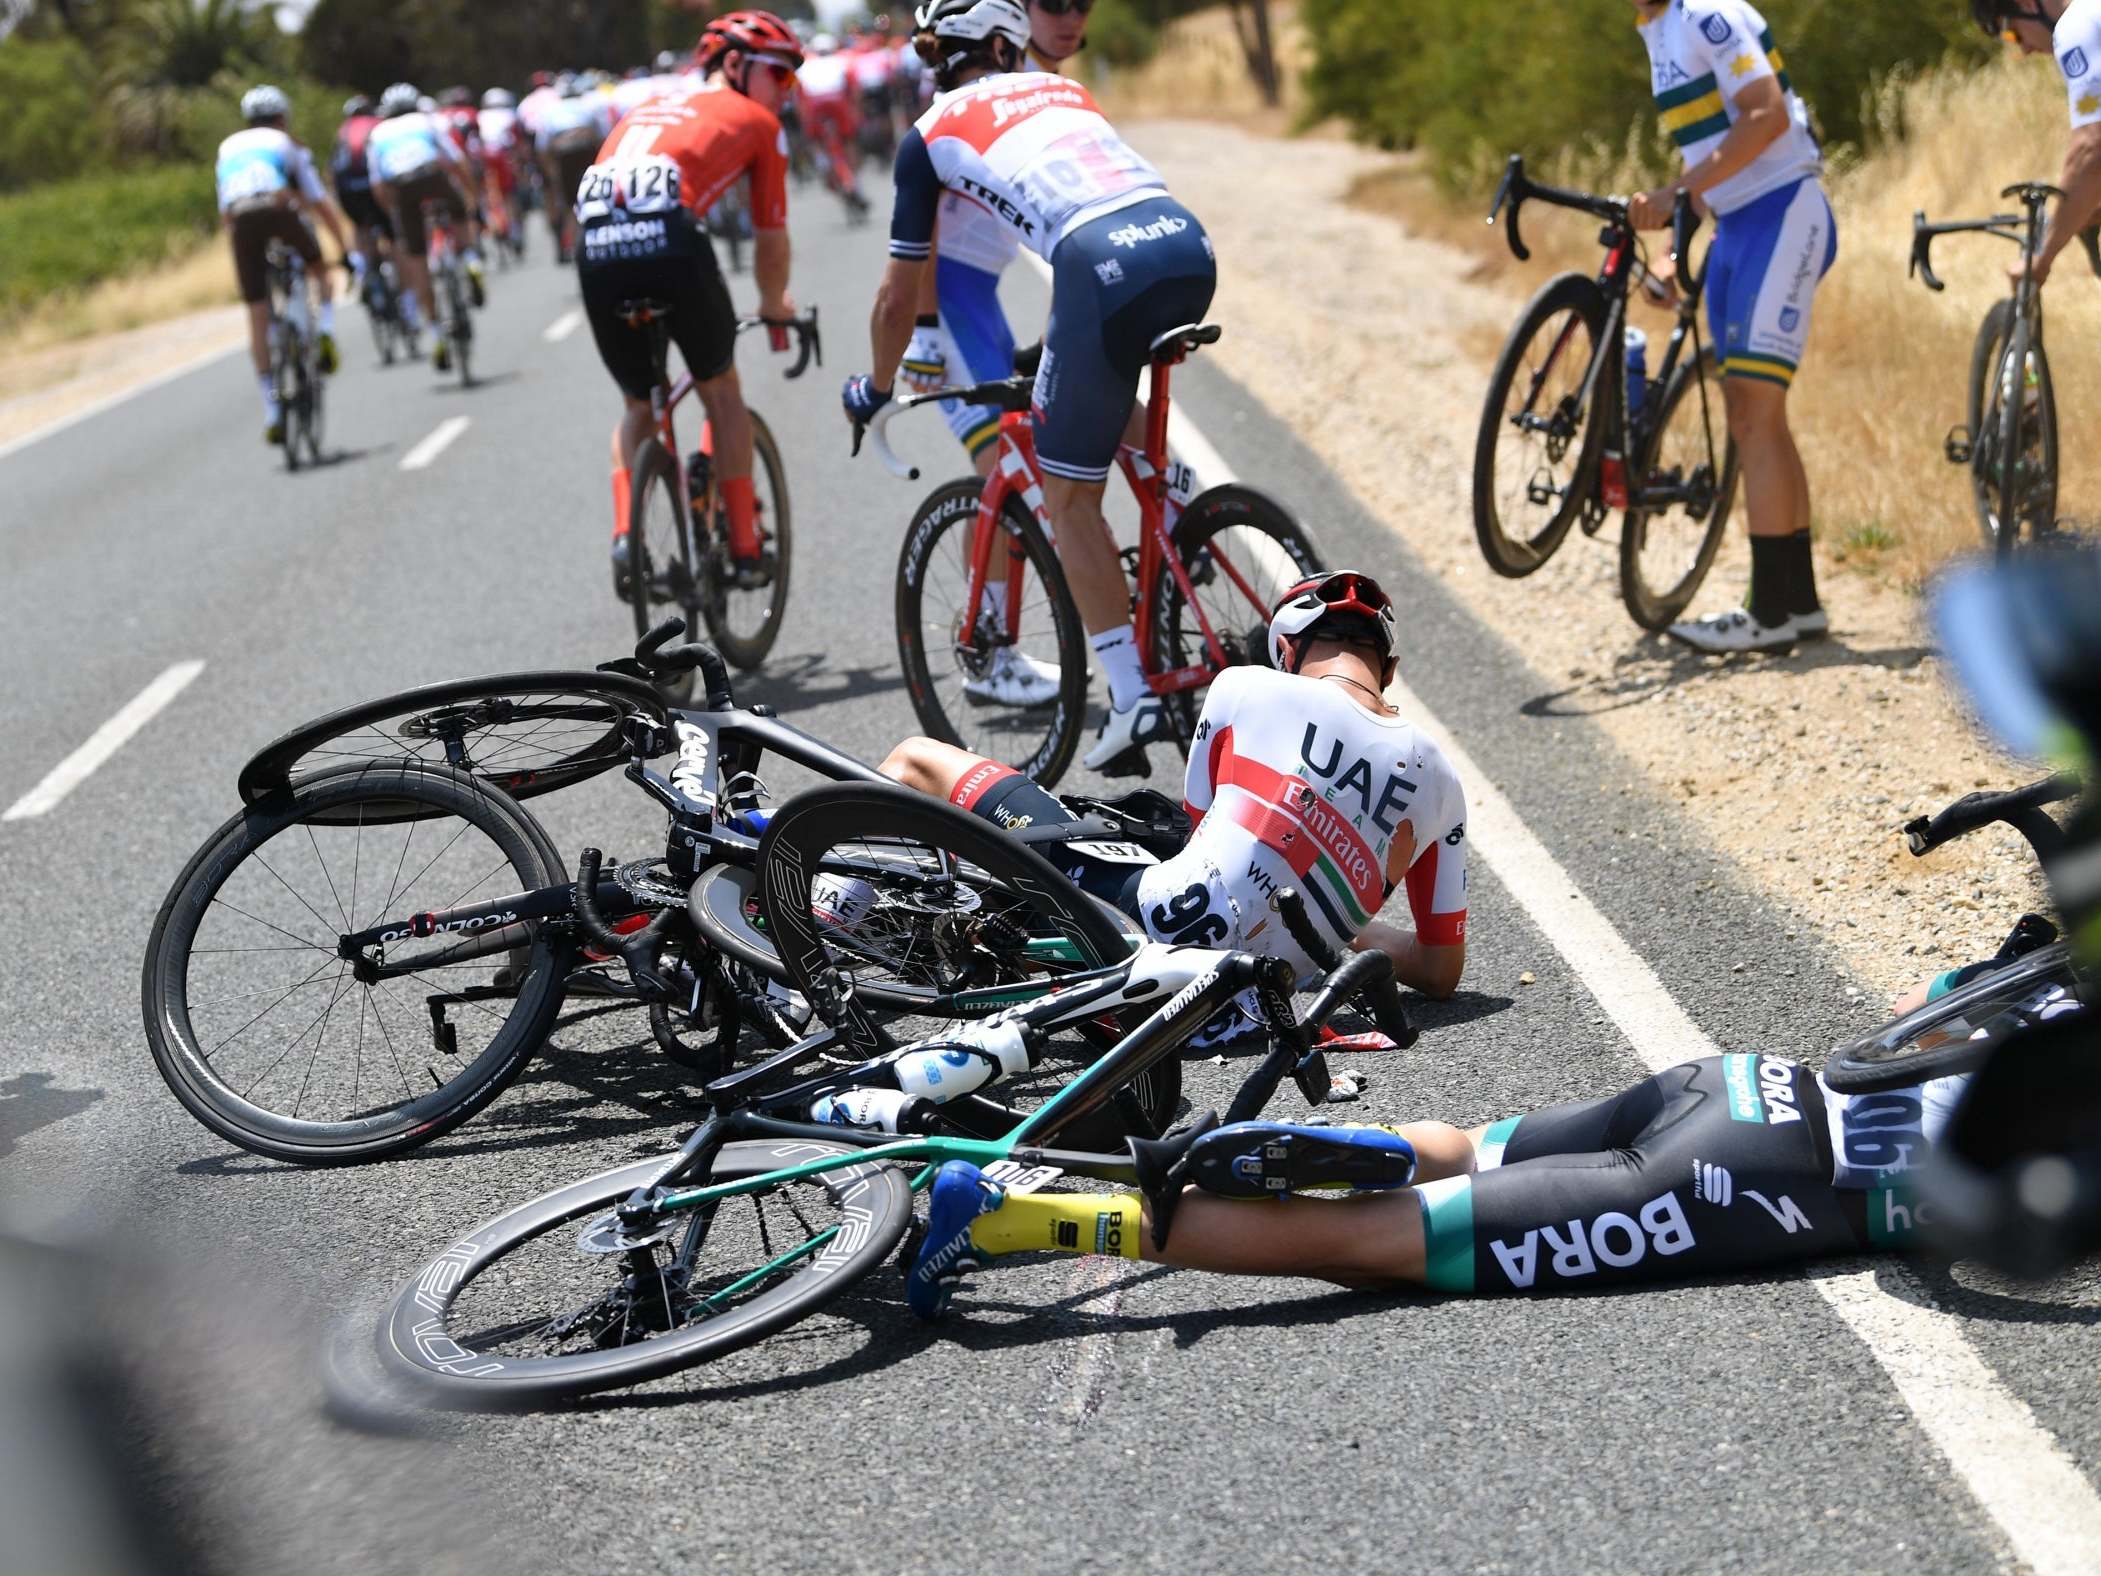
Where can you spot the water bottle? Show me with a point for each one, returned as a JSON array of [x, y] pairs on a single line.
[[752, 823], [1637, 372], [841, 902], [878, 1110], [974, 1057]]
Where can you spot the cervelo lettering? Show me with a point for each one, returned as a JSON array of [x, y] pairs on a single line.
[[1133, 234], [689, 777], [1615, 1239]]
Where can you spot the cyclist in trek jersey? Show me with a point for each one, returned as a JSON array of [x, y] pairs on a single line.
[[1714, 1167], [641, 204], [1128, 263], [2069, 31], [267, 188], [1750, 158], [414, 160], [1301, 775]]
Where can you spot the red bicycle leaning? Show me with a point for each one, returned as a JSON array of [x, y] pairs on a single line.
[[977, 578]]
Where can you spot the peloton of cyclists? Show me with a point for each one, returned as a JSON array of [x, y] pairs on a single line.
[[1128, 263], [1750, 158], [267, 189], [415, 162], [640, 204], [2070, 31], [568, 132]]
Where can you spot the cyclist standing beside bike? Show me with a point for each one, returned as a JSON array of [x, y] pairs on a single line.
[[641, 204], [2069, 30], [415, 161], [1128, 263], [1750, 157], [267, 185]]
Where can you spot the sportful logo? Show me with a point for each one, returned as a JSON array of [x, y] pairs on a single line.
[[1712, 1183], [1133, 234]]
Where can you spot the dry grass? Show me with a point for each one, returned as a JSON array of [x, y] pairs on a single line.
[[1888, 360], [1200, 73], [44, 346]]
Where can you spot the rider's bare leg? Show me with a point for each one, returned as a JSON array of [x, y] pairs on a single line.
[[730, 421], [930, 766]]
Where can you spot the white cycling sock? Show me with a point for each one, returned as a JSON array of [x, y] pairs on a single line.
[[1117, 651], [411, 310], [328, 317], [268, 385]]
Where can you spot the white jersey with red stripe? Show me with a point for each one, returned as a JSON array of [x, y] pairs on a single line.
[[1298, 785], [1029, 148]]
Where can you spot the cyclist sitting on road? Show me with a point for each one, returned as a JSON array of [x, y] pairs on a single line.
[[1713, 1167], [415, 161], [1727, 102], [267, 184], [1128, 264], [2070, 30], [1301, 775], [641, 206], [568, 133]]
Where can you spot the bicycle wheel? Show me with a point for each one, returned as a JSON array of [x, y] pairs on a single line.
[[947, 648], [1242, 551], [661, 581], [2024, 488], [1956, 1033], [459, 326], [314, 424], [1986, 358], [524, 733], [1666, 551], [285, 381], [519, 1310], [277, 1041], [743, 608], [1535, 456]]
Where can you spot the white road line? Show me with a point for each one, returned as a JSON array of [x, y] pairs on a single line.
[[562, 327], [111, 401], [2023, 1479], [437, 443], [104, 742]]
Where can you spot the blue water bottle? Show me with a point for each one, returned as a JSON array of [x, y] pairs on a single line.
[[1637, 372]]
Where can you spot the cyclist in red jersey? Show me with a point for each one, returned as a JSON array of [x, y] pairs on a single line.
[[825, 94], [641, 205]]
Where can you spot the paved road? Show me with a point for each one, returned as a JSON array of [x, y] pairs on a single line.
[[1075, 1415]]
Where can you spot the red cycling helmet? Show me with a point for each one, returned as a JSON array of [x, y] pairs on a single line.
[[543, 79], [1346, 592], [759, 35]]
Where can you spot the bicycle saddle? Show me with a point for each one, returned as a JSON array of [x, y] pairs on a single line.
[[1177, 343], [1008, 394], [642, 310]]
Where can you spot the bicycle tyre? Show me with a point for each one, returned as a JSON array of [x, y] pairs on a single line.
[[1656, 608], [316, 423], [282, 381], [2027, 491], [1905, 1050], [935, 561], [746, 651], [595, 706], [874, 1203], [459, 328], [1511, 556], [1986, 357], [805, 830], [1250, 587], [2010, 384], [167, 988], [661, 579]]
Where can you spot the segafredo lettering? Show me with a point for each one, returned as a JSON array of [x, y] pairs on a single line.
[[1006, 109], [1616, 1239]]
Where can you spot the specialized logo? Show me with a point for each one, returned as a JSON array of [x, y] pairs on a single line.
[[1617, 1240], [1714, 28], [1109, 272], [2074, 63], [1132, 235]]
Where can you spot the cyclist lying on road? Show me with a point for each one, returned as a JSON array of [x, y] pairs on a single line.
[[1717, 1166], [1301, 777]]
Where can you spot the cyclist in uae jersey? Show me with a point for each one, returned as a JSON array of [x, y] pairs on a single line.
[[1128, 263], [267, 185], [1301, 776], [1715, 1167], [1725, 98], [2070, 32], [640, 205]]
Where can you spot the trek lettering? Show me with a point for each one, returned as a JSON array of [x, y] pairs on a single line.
[[992, 199]]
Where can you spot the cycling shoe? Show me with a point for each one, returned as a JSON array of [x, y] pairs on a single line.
[[1269, 1159]]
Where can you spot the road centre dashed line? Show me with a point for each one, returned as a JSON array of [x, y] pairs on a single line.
[[562, 327], [2044, 1505], [104, 742], [441, 439]]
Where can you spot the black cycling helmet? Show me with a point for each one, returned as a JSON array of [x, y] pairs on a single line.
[[1991, 16]]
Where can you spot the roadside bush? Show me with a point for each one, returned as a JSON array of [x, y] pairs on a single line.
[[63, 235], [53, 128], [1471, 86]]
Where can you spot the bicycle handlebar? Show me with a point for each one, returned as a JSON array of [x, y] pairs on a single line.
[[1373, 978], [809, 344], [1518, 188], [656, 662], [2020, 808]]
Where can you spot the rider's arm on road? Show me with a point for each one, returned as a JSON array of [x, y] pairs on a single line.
[[2081, 182], [1431, 971]]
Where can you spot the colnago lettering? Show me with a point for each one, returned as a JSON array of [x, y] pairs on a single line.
[[1132, 234], [423, 925], [1617, 1240]]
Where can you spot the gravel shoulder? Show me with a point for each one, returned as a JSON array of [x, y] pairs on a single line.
[[1800, 767]]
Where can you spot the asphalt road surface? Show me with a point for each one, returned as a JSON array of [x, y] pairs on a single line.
[[1073, 1414]]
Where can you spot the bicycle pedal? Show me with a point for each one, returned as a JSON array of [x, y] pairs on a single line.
[[1958, 446]]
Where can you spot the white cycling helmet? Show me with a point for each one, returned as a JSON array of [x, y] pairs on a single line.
[[1351, 597], [974, 21], [823, 44], [264, 103], [399, 99], [499, 98]]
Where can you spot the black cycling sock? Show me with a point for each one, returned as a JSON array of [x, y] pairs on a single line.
[[1770, 588], [1801, 574]]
